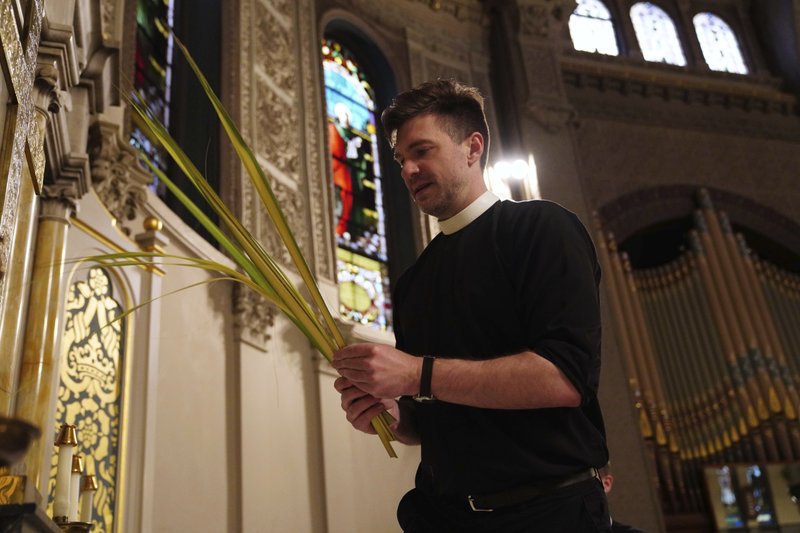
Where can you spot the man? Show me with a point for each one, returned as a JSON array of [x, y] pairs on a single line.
[[498, 339], [608, 482]]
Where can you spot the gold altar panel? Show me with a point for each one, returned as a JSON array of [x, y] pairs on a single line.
[[90, 385]]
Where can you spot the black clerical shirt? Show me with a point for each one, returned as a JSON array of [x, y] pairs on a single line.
[[522, 276]]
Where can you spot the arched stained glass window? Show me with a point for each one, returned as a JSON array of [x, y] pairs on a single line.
[[656, 34], [719, 44], [592, 29], [359, 216]]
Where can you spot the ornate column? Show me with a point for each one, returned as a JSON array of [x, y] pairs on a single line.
[[39, 365]]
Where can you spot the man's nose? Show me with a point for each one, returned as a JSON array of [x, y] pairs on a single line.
[[408, 170]]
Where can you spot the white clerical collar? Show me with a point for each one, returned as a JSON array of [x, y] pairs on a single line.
[[468, 214]]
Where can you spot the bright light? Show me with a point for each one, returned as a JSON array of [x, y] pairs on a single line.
[[499, 177]]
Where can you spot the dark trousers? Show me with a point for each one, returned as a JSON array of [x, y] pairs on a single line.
[[577, 508]]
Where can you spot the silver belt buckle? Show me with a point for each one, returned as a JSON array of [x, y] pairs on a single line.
[[475, 508]]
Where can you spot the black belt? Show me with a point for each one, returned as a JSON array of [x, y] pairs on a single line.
[[490, 502]]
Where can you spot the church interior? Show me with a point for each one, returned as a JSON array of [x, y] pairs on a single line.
[[670, 127]]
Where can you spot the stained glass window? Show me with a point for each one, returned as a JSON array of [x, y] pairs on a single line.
[[359, 217], [719, 44], [153, 71], [656, 34], [90, 385], [592, 29]]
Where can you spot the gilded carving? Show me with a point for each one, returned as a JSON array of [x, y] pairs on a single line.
[[25, 143], [116, 176], [254, 317], [90, 384]]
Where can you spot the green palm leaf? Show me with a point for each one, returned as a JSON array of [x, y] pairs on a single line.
[[261, 272]]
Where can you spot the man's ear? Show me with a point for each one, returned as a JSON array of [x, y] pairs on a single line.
[[476, 147]]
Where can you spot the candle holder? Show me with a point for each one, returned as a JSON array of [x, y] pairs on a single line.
[[66, 441], [73, 527]]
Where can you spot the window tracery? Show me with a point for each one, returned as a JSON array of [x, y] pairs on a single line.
[[657, 35], [592, 29], [719, 44]]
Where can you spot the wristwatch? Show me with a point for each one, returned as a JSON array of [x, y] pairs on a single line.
[[425, 394]]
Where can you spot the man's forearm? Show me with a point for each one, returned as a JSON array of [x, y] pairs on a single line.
[[520, 381]]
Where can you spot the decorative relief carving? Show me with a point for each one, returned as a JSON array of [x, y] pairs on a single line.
[[275, 47], [254, 317], [315, 154], [59, 201], [117, 178], [248, 117], [553, 116], [750, 97], [468, 11], [108, 22], [694, 117], [278, 139], [291, 201], [544, 17]]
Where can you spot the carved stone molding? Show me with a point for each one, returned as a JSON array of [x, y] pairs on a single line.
[[50, 104], [275, 43], [278, 130], [294, 207], [59, 201], [271, 107], [542, 19], [553, 116], [315, 153], [457, 11], [117, 178], [254, 317], [110, 31], [605, 75]]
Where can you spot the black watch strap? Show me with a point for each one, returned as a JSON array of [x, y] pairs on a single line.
[[425, 394]]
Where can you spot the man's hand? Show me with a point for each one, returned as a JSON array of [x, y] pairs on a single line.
[[379, 370], [362, 407]]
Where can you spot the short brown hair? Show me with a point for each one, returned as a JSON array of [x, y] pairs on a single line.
[[459, 106]]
